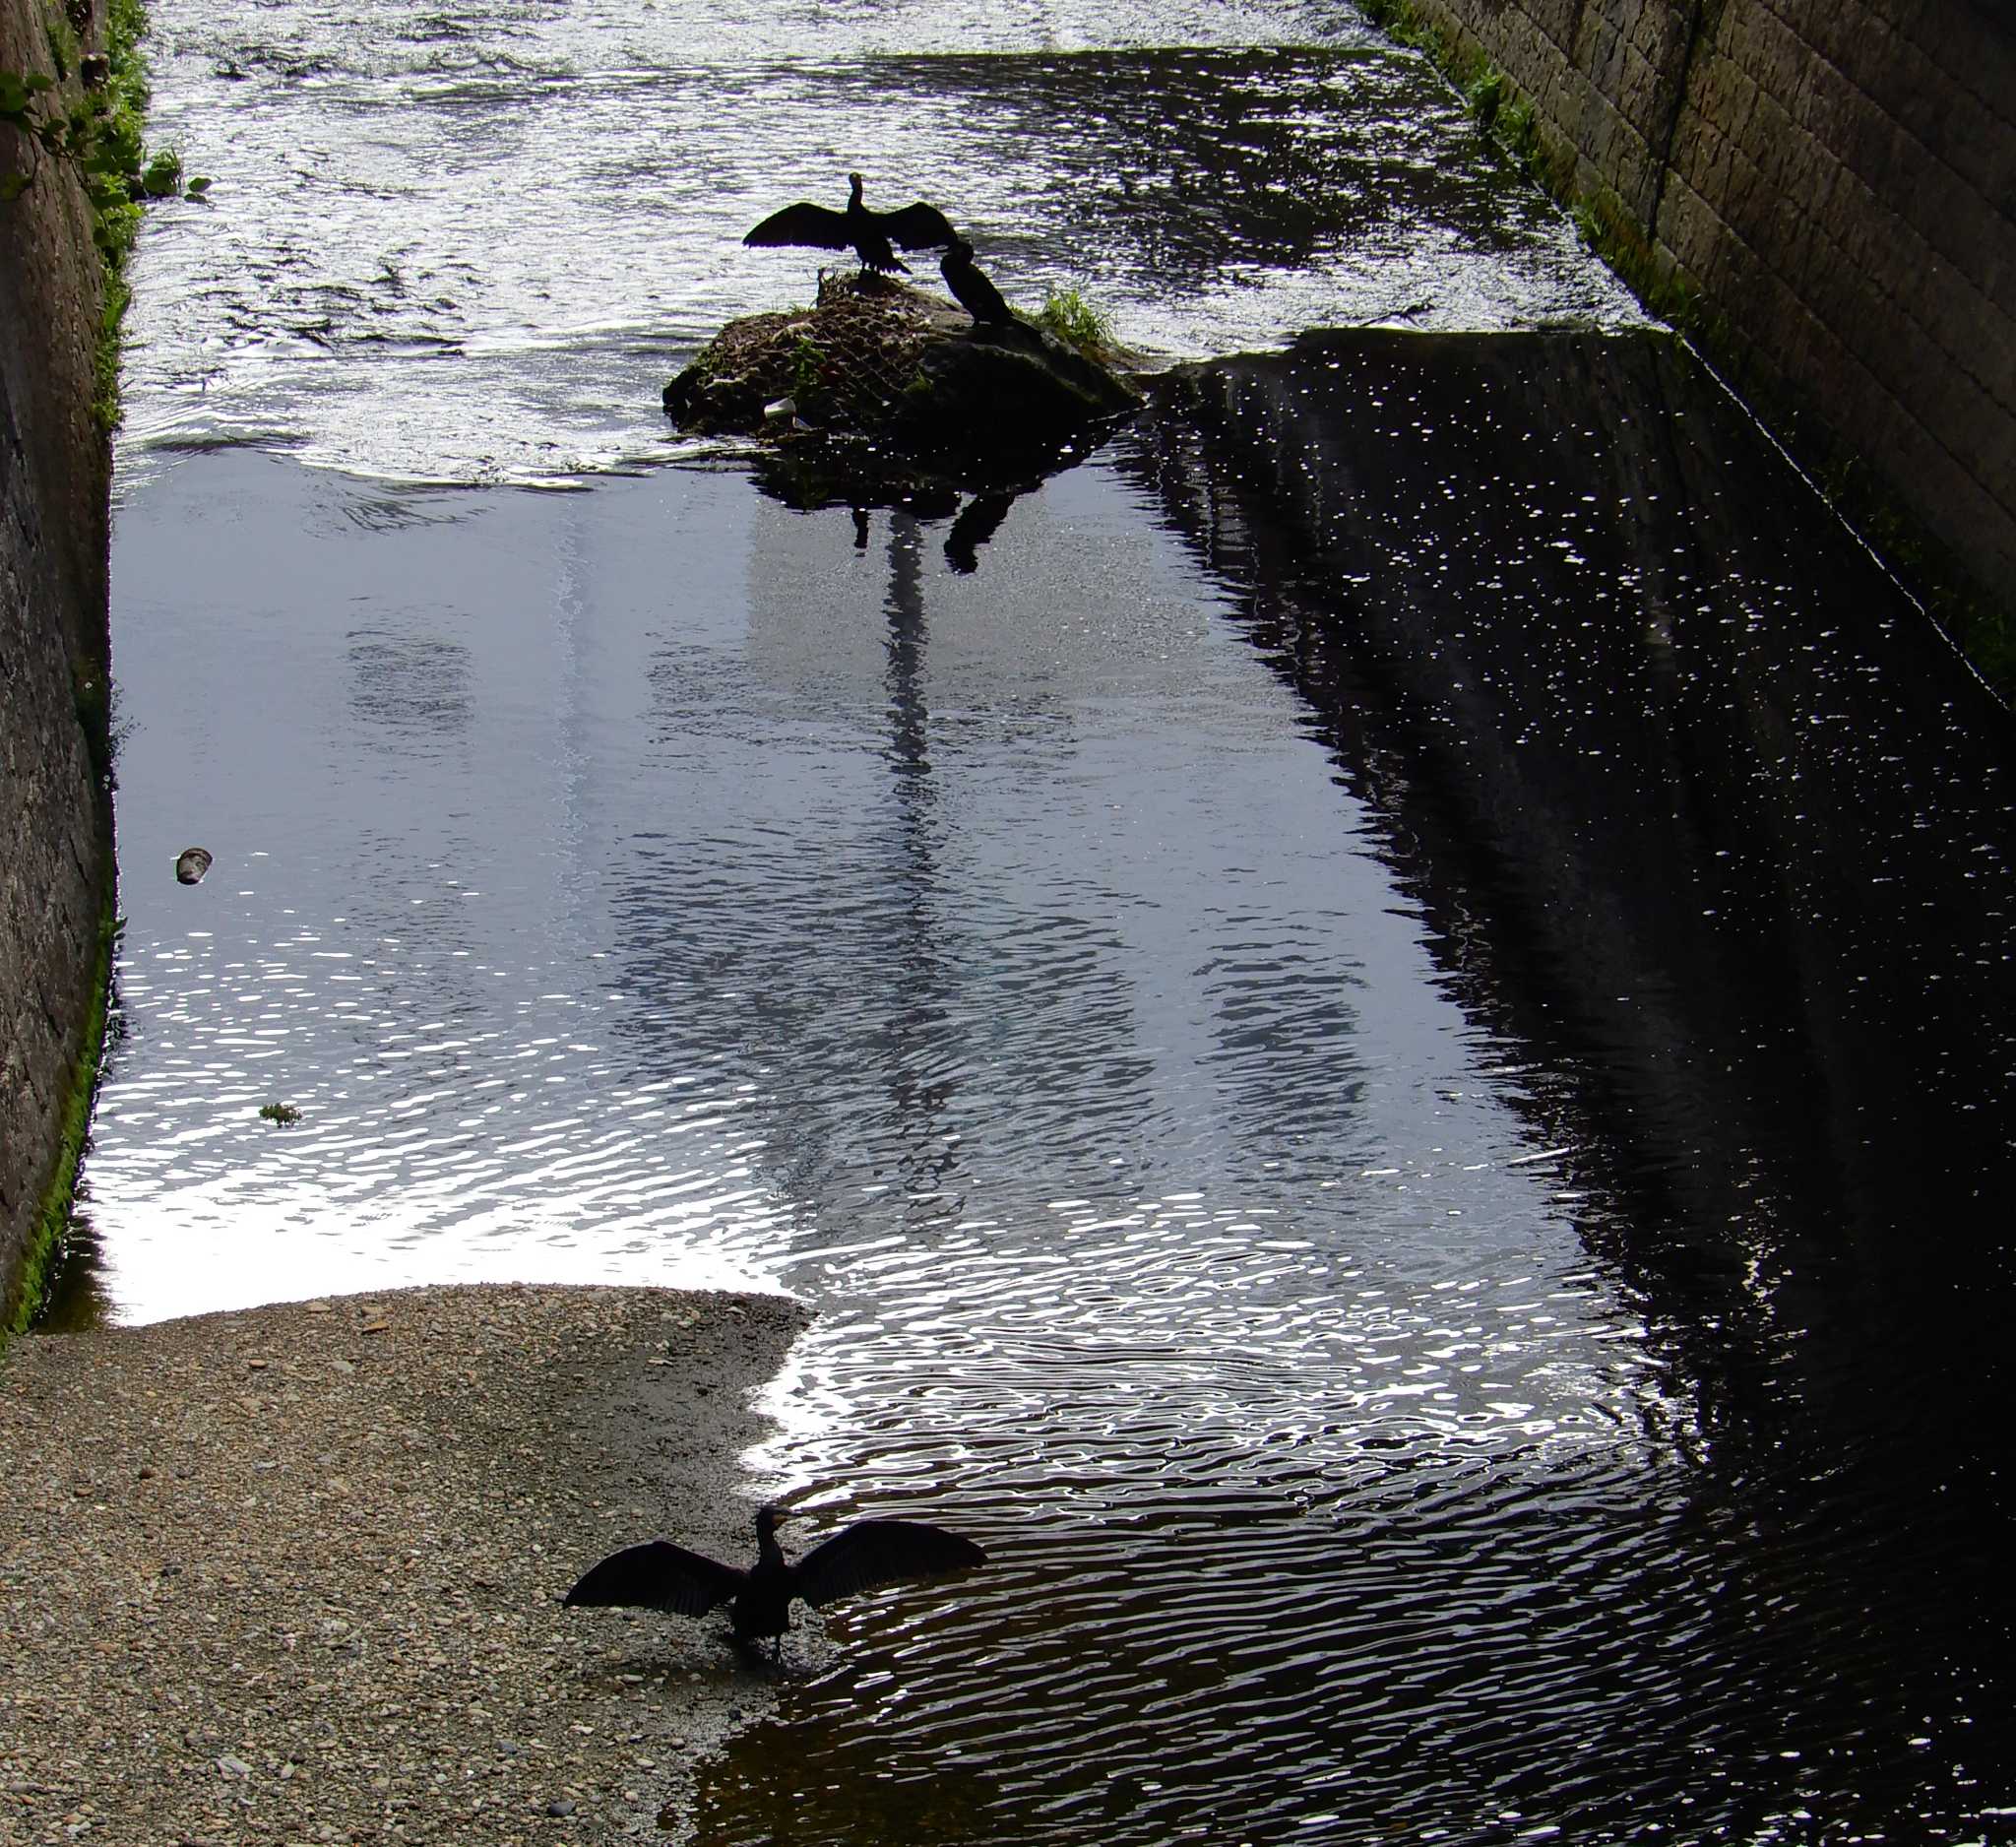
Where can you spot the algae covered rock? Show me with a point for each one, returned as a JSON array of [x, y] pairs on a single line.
[[879, 359]]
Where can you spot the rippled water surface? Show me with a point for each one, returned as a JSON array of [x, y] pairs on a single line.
[[474, 247], [1319, 1009]]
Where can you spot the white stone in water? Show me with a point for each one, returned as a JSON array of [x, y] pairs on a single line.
[[192, 866]]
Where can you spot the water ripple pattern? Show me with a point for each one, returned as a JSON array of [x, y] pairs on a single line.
[[475, 248], [655, 884], [649, 882]]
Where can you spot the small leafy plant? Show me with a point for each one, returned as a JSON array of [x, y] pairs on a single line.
[[1076, 322], [808, 364], [1487, 95], [45, 132], [96, 132], [99, 135]]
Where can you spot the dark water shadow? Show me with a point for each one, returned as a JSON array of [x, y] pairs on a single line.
[[76, 1290], [1707, 830], [1704, 813], [1193, 162], [76, 1298], [1701, 802], [975, 490], [856, 1797]]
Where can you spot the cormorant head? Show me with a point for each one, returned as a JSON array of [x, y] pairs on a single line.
[[854, 187], [959, 251]]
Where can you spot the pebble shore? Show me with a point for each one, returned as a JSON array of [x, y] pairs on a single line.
[[294, 1574]]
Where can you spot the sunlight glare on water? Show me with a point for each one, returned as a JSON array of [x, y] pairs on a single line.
[[657, 885], [1067, 964], [476, 249]]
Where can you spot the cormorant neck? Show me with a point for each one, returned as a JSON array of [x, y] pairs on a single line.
[[854, 190], [766, 1535]]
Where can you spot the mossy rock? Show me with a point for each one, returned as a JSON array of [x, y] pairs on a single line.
[[882, 360]]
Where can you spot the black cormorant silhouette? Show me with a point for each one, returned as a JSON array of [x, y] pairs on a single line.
[[870, 234], [971, 289], [660, 1575]]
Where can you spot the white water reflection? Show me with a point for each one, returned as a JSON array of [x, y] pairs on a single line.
[[653, 884], [612, 908]]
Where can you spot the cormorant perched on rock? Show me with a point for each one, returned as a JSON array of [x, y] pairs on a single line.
[[870, 234], [971, 289], [660, 1575]]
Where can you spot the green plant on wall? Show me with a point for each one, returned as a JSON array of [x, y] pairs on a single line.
[[20, 1302], [99, 135], [96, 133]]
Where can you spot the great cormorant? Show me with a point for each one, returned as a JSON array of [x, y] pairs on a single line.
[[972, 290], [869, 234], [660, 1575]]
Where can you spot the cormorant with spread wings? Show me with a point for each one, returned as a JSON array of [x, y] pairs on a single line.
[[871, 236], [660, 1575]]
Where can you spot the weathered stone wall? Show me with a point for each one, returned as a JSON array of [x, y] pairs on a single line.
[[55, 827], [1837, 179]]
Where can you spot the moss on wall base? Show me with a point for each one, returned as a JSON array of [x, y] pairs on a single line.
[[56, 872], [50, 1229]]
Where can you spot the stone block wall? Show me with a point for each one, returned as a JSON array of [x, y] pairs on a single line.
[[1834, 181], [55, 823]]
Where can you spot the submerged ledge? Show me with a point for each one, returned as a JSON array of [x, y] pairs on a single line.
[[294, 1574]]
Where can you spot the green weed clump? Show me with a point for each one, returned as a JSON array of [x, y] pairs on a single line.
[[97, 131], [1076, 322], [1485, 95], [809, 369], [52, 1224]]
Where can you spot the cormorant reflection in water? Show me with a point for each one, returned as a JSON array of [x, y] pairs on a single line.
[[976, 522]]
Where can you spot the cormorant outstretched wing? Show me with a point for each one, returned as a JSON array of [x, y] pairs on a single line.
[[659, 1575], [805, 224], [918, 226], [872, 1553]]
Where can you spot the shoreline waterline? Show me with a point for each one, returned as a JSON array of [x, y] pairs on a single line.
[[294, 1572]]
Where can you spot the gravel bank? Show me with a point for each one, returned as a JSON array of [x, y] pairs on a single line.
[[294, 1574]]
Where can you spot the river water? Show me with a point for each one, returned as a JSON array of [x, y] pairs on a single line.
[[1377, 1022]]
